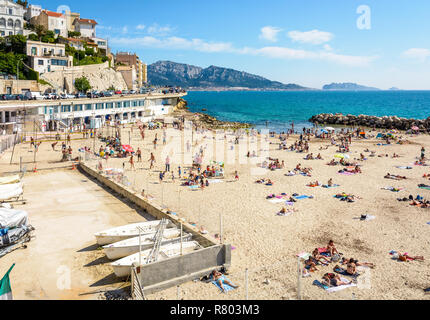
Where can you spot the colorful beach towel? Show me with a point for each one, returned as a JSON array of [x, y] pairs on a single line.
[[276, 200], [404, 167], [333, 186], [303, 197], [227, 288], [345, 173], [425, 188]]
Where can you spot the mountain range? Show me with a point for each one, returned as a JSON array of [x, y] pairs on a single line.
[[168, 73]]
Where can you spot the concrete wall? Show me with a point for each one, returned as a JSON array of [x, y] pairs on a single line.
[[151, 208], [172, 272], [18, 86]]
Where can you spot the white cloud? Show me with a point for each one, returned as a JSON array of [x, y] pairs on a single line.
[[274, 52], [294, 54], [156, 29], [124, 29], [327, 47], [174, 43], [419, 54], [269, 33], [140, 27], [312, 37]]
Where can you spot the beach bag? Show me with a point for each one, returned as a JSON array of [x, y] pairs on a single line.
[[402, 258], [335, 258]]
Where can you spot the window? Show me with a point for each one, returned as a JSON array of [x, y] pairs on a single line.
[[10, 23], [40, 62], [134, 103], [77, 107], [2, 22], [17, 24], [10, 11], [34, 51], [118, 104], [56, 62], [88, 107], [65, 108], [126, 104], [99, 106], [109, 105]]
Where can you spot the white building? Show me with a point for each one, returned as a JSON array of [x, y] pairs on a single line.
[[53, 21], [87, 27], [47, 57], [11, 18], [32, 11]]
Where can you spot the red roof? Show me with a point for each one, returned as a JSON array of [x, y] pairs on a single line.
[[86, 21], [54, 14]]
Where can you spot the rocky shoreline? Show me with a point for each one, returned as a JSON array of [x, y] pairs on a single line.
[[207, 121], [386, 122]]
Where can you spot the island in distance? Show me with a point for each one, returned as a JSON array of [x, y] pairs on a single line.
[[168, 73], [348, 87]]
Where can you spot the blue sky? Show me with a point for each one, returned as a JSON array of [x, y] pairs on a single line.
[[308, 42]]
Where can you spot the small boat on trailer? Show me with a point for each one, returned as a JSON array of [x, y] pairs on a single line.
[[130, 246], [122, 267], [128, 231]]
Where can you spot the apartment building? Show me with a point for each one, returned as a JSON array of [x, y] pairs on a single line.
[[47, 57], [54, 21], [11, 18]]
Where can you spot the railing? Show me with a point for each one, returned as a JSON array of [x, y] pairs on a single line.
[[8, 141], [136, 288]]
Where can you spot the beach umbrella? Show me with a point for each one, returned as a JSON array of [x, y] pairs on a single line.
[[341, 156], [329, 128], [127, 148], [323, 130]]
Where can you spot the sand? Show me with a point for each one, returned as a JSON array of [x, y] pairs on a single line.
[[267, 244]]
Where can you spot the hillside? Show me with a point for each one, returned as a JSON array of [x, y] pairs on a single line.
[[165, 73]]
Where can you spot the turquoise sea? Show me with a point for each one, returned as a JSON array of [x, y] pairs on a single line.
[[279, 109]]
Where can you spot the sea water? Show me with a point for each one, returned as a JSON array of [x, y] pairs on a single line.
[[277, 110]]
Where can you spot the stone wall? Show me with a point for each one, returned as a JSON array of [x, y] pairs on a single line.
[[100, 76], [386, 122]]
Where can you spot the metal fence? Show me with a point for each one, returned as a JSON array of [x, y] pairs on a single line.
[[8, 141]]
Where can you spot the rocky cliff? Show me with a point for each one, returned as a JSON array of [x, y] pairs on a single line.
[[165, 73], [100, 76]]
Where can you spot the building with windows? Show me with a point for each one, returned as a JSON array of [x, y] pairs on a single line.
[[87, 27], [11, 18], [32, 11], [128, 59], [47, 57], [65, 114], [54, 21]]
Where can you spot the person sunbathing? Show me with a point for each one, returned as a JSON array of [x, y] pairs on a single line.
[[405, 257], [269, 182], [220, 279], [396, 177], [332, 163], [330, 183], [318, 257], [357, 263], [310, 265], [334, 280], [331, 248], [319, 157]]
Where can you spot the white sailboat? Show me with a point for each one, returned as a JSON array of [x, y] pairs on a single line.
[[130, 246], [122, 267], [128, 231]]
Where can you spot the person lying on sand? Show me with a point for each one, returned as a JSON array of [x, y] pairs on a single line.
[[219, 278], [332, 163], [395, 177], [333, 280], [405, 257], [357, 263], [314, 184], [318, 257]]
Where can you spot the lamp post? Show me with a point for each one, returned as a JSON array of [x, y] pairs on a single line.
[[17, 75]]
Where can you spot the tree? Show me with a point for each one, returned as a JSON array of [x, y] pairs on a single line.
[[40, 31], [23, 3], [74, 34], [82, 84], [18, 43]]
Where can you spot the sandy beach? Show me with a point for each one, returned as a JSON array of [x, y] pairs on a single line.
[[267, 244]]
